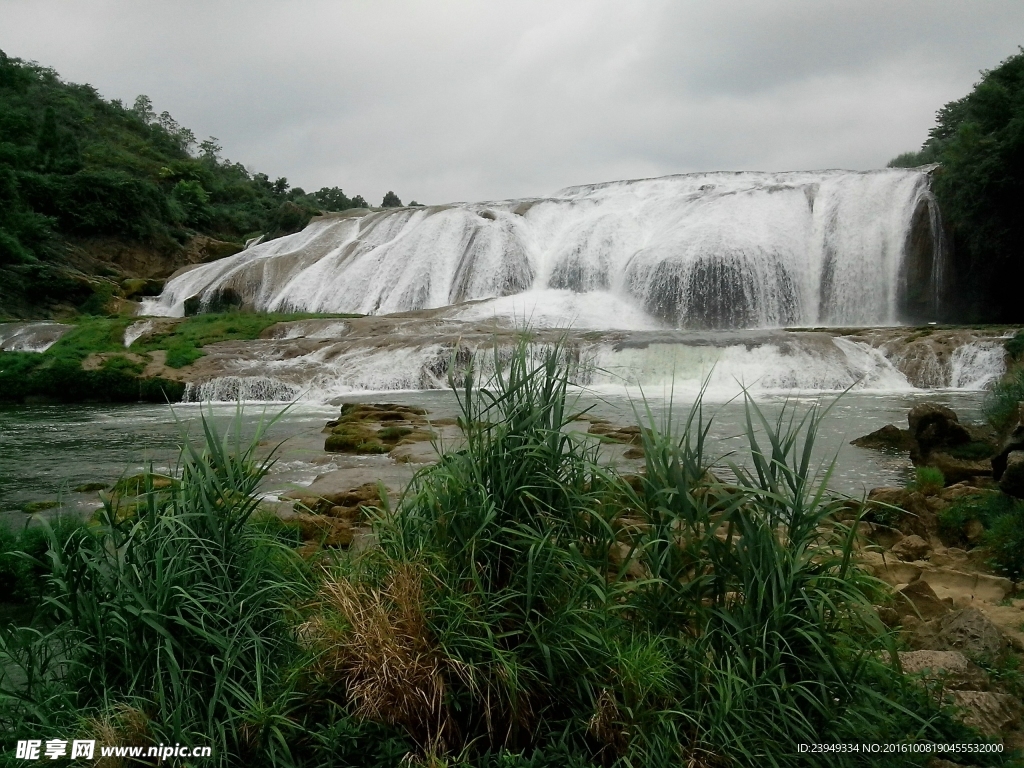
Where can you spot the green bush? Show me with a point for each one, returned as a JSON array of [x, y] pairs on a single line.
[[181, 354], [1004, 541], [984, 507], [23, 563], [1001, 402], [1015, 347]]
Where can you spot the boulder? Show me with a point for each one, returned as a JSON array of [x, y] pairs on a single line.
[[919, 599], [1011, 479], [882, 535], [940, 440], [967, 630], [955, 671], [956, 470], [990, 713], [967, 587], [1014, 442], [934, 426], [911, 548], [888, 438]]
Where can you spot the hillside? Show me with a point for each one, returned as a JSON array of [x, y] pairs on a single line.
[[978, 142], [99, 200]]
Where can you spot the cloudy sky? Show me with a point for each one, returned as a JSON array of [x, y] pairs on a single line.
[[444, 100]]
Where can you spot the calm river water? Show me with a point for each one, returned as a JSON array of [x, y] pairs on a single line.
[[48, 451]]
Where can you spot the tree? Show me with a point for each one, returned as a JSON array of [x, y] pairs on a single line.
[[391, 201], [332, 199], [979, 143], [359, 202], [143, 108]]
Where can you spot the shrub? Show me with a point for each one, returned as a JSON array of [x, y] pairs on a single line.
[[1015, 347], [1004, 541], [1001, 402]]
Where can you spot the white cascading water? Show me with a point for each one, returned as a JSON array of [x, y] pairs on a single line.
[[624, 265], [30, 337], [709, 250]]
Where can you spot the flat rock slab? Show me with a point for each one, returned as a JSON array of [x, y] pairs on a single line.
[[395, 478], [954, 670]]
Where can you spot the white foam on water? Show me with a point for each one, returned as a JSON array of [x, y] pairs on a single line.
[[977, 365], [778, 364]]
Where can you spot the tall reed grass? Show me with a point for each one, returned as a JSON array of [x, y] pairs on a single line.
[[166, 622], [527, 602], [526, 606]]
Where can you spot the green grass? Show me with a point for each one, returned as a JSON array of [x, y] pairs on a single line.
[[1001, 401], [927, 481], [168, 625], [22, 575], [526, 600]]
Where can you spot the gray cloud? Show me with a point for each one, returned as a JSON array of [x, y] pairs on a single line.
[[463, 100]]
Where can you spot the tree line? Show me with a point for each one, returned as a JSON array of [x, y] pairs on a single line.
[[978, 144]]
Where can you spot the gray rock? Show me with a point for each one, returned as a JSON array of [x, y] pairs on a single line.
[[935, 426], [888, 438], [919, 599], [967, 630], [1011, 481], [990, 713], [954, 670]]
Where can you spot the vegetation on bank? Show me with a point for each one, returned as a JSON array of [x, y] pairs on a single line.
[[58, 374], [525, 606], [74, 166], [979, 144]]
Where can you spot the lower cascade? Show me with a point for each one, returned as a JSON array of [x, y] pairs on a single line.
[[320, 360], [694, 251]]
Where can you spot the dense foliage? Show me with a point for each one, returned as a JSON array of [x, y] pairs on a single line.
[[74, 165], [979, 143]]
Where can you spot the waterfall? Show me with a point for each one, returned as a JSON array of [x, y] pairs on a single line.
[[304, 360], [707, 250], [30, 337]]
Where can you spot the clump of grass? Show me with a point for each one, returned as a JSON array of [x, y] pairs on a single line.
[[177, 611], [1001, 402], [180, 354], [927, 481], [23, 564]]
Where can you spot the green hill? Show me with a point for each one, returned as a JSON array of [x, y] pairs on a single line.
[[96, 195]]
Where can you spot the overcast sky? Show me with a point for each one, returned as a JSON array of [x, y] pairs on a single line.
[[472, 100]]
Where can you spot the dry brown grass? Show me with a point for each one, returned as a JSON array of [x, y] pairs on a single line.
[[121, 725], [374, 645]]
